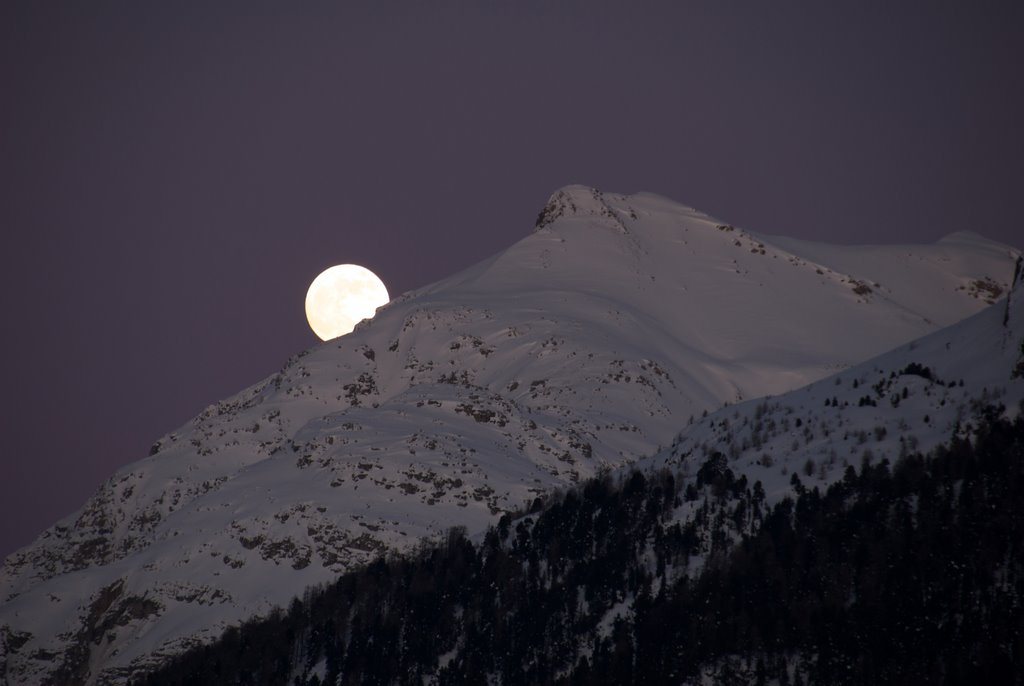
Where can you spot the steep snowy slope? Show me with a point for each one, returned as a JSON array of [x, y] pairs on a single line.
[[910, 399], [584, 346], [740, 461], [611, 577]]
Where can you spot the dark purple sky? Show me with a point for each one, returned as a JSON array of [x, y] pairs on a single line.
[[172, 175]]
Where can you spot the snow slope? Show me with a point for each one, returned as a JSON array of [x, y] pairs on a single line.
[[584, 346], [911, 399]]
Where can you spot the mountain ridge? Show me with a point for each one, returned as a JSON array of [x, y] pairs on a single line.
[[897, 561], [583, 347]]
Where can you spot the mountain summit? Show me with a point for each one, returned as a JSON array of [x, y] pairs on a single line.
[[586, 346]]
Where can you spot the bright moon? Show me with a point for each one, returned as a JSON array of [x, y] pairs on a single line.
[[341, 297]]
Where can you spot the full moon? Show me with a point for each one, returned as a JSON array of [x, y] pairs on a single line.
[[341, 297]]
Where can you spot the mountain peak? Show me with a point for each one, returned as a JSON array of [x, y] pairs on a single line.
[[580, 348], [580, 201]]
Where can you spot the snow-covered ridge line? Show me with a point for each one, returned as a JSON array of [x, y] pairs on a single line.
[[912, 398], [695, 513], [583, 347]]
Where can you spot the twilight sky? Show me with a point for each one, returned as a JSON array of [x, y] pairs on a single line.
[[173, 175]]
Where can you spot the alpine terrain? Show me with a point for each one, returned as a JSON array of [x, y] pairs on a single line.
[[624, 331]]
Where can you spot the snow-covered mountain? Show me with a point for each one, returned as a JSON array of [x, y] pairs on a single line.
[[685, 569], [587, 345], [908, 400]]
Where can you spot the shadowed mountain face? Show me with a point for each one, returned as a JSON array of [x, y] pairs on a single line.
[[588, 345]]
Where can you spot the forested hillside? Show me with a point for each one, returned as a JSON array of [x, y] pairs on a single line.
[[902, 573]]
